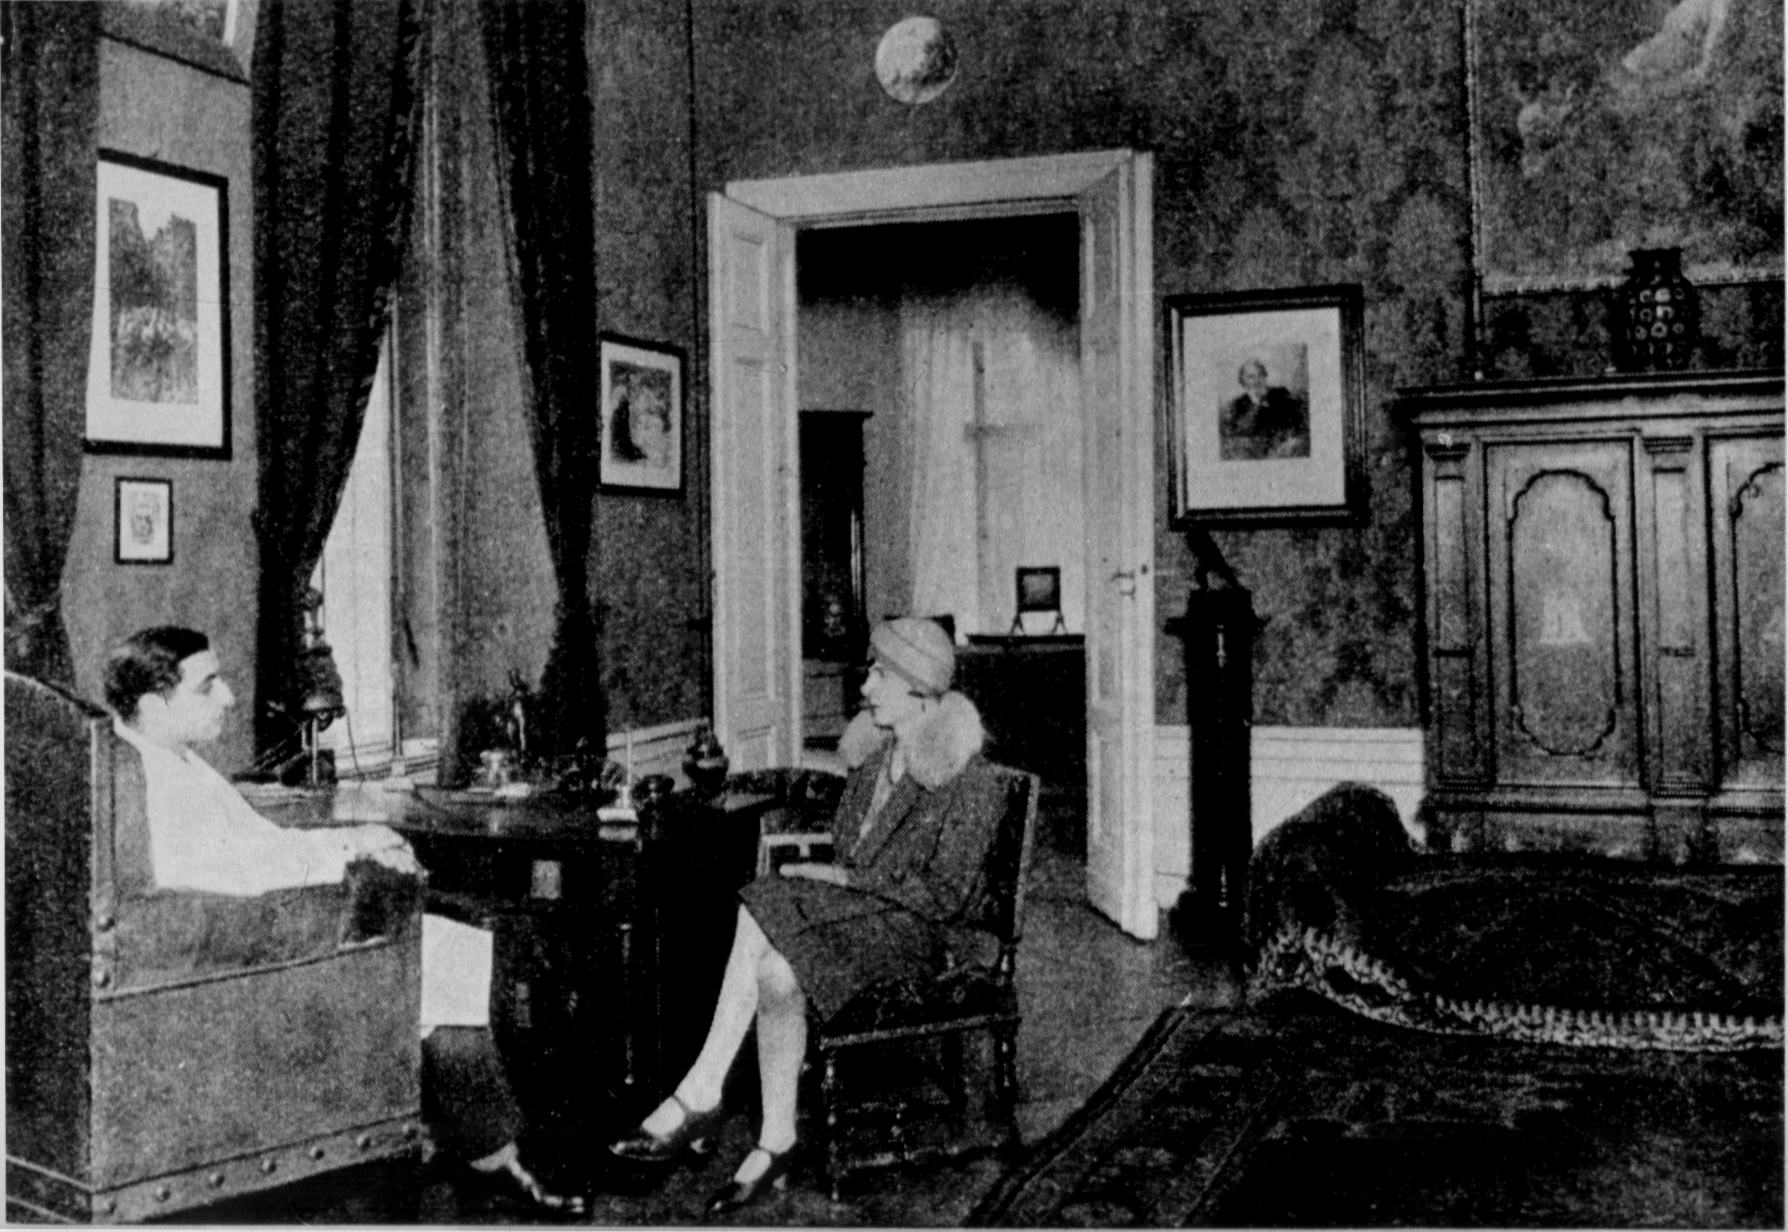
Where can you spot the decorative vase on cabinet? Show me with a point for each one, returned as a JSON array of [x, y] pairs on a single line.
[[1656, 313], [1603, 576]]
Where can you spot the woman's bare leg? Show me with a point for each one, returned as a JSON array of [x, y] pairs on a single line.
[[701, 1086], [781, 1047]]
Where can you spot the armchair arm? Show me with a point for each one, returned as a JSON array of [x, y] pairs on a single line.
[[177, 935], [800, 846]]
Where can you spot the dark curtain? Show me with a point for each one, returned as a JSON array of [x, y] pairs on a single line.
[[335, 121], [51, 122], [540, 100]]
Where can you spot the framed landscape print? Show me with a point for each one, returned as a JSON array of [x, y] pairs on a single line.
[[1600, 128], [1264, 415], [158, 375], [195, 32], [642, 416], [143, 511]]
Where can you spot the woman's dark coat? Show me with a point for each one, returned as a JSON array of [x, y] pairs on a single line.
[[917, 880]]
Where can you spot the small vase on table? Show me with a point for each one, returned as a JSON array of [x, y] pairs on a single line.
[[706, 763]]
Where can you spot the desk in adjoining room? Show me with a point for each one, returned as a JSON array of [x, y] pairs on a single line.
[[1031, 692]]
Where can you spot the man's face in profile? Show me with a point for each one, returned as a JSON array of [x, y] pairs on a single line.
[[1254, 379], [194, 711]]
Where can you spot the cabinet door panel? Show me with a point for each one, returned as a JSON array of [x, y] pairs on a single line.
[[1672, 558], [1746, 486], [1562, 613], [1454, 535]]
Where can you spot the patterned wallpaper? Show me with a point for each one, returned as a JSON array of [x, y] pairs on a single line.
[[650, 572], [1295, 143]]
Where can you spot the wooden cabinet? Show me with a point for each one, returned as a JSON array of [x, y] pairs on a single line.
[[1603, 590]]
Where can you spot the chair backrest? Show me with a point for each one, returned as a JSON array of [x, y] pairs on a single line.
[[1009, 859], [805, 790], [55, 795]]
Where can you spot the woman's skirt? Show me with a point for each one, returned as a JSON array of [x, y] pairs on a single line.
[[841, 940]]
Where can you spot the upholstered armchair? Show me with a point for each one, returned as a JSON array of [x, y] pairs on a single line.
[[164, 1049]]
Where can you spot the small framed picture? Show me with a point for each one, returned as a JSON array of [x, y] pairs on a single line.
[[1039, 591], [144, 511], [642, 416], [158, 376], [1264, 406]]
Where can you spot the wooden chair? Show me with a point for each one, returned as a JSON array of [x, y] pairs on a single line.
[[977, 995], [799, 803], [167, 1049]]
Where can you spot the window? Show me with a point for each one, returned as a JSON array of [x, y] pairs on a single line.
[[356, 577]]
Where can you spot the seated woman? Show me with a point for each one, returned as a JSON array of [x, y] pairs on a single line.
[[913, 828]]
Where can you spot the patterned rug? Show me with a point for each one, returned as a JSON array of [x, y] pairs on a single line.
[[1437, 1040], [1301, 1114]]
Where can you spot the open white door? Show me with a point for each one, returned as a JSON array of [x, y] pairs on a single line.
[[752, 435], [1117, 410]]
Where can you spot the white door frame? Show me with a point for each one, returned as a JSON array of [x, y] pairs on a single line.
[[1005, 187], [1045, 185]]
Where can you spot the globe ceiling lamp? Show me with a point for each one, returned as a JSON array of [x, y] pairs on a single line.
[[916, 60]]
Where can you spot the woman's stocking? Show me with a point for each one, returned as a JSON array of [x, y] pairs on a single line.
[[701, 1086], [781, 1047]]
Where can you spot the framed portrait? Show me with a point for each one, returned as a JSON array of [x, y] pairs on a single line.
[[1596, 129], [158, 373], [642, 416], [1264, 406], [143, 510]]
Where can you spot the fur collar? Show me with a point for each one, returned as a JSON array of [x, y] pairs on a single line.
[[938, 751]]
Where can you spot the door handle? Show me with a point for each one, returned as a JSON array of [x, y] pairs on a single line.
[[1126, 580]]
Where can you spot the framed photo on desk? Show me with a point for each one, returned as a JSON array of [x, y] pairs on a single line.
[[1039, 593]]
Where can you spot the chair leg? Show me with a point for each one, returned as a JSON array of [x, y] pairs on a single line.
[[834, 1149], [1008, 1074], [952, 1046]]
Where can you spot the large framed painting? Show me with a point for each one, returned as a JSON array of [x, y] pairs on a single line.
[[158, 374], [642, 416], [1600, 128], [1264, 406]]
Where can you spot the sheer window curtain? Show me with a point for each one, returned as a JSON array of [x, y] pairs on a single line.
[[997, 488], [355, 578]]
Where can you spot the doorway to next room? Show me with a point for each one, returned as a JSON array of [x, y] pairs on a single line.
[[938, 375]]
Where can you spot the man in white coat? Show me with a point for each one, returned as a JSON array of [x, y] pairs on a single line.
[[167, 693]]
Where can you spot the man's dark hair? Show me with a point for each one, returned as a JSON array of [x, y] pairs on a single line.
[[148, 661]]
